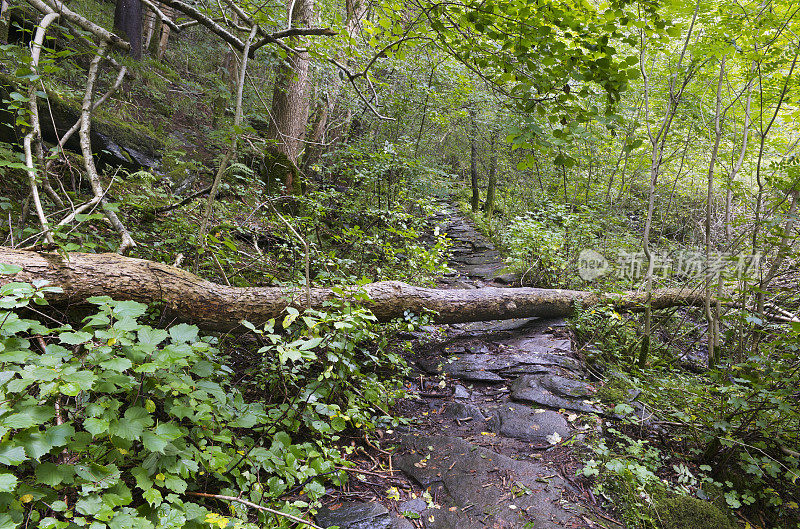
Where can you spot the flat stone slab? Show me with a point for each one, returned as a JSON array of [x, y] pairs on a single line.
[[492, 367], [477, 488], [462, 370], [489, 257], [358, 515], [539, 343], [555, 392], [543, 427], [483, 271]]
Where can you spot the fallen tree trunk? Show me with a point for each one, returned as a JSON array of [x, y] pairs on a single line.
[[212, 306]]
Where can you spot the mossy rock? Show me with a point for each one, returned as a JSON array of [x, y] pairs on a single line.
[[686, 512], [118, 143]]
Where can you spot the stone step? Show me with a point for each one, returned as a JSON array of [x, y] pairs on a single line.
[[477, 488]]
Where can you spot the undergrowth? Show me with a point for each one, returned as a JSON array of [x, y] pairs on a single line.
[[114, 423]]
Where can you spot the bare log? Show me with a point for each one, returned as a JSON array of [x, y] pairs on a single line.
[[218, 307]]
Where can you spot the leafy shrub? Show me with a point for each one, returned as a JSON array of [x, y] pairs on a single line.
[[543, 245], [117, 424]]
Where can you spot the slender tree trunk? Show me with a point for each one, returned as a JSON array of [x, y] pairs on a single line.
[[128, 24], [711, 317], [657, 141], [231, 153], [290, 104], [473, 160], [490, 188], [738, 165], [764, 131], [5, 20], [150, 27], [163, 40]]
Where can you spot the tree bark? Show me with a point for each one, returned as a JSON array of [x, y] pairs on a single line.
[[212, 306], [473, 160], [490, 188], [290, 104], [128, 23], [5, 21]]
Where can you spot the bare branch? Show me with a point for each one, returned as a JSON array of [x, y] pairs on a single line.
[[161, 16], [46, 6], [254, 506], [88, 157], [206, 21]]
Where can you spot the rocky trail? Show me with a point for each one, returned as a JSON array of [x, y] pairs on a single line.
[[501, 409]]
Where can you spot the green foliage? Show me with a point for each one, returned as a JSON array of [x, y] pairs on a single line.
[[739, 423], [543, 244], [326, 371], [116, 423], [605, 334]]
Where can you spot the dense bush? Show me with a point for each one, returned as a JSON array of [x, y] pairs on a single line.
[[118, 424]]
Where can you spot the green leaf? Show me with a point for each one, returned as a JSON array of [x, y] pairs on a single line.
[[131, 309], [150, 336], [132, 425], [292, 315], [183, 333], [9, 269], [175, 484], [8, 482], [53, 475], [18, 421], [117, 364], [7, 523], [153, 497], [35, 444], [59, 435], [96, 426], [153, 442], [76, 382], [74, 338], [11, 453]]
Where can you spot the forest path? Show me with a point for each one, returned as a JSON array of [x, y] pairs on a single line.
[[500, 409]]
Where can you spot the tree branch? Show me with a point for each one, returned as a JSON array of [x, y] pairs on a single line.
[[254, 506], [46, 6]]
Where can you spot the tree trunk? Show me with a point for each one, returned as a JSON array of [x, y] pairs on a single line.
[[188, 297], [490, 188], [473, 161], [128, 24], [164, 37], [290, 105], [5, 21], [712, 316]]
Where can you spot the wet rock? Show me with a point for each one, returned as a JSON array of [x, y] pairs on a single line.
[[462, 411], [478, 348], [416, 505], [529, 424], [506, 279], [357, 515], [479, 259], [467, 367], [473, 486], [566, 387], [555, 392], [483, 271], [538, 342], [460, 392]]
